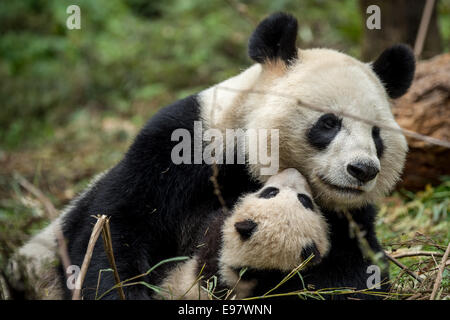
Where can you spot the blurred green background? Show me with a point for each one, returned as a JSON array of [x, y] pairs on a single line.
[[130, 52]]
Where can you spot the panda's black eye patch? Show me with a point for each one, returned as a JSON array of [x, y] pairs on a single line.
[[329, 121], [378, 141], [245, 228], [268, 193], [305, 201], [324, 130]]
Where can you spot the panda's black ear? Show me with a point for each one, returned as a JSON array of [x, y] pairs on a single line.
[[274, 38], [395, 68], [245, 228]]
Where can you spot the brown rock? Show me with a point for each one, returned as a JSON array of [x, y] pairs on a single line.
[[426, 109]]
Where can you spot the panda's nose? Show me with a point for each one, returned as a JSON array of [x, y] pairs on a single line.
[[362, 171]]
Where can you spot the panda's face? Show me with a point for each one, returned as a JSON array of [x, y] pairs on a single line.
[[277, 227], [347, 162]]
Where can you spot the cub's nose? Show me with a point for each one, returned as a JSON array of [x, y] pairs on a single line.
[[362, 171]]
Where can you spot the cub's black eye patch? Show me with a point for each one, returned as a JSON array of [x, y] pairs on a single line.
[[378, 141], [324, 130], [269, 192], [245, 228], [305, 201]]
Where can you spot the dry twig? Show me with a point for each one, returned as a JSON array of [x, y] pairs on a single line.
[[437, 284], [415, 254], [107, 242], [52, 214], [402, 266], [406, 132], [423, 27], [98, 227]]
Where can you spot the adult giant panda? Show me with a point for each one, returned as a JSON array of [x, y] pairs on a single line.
[[249, 250], [156, 205]]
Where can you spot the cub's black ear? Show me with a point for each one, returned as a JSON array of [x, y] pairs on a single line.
[[395, 67], [245, 228], [274, 38], [305, 201]]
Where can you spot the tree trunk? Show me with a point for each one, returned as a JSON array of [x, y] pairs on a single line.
[[426, 109], [400, 20]]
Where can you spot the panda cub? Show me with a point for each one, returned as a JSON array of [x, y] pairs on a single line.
[[272, 230]]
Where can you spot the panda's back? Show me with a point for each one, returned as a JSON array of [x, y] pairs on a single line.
[[155, 206]]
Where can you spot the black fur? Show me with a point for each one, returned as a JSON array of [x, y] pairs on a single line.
[[363, 171], [268, 193], [324, 130], [155, 205], [395, 67], [274, 38], [379, 145], [211, 244], [157, 208], [246, 228], [344, 266], [305, 201], [309, 250]]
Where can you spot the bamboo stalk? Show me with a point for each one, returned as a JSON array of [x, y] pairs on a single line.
[[52, 214], [402, 266], [87, 257], [107, 242], [438, 281], [423, 27], [415, 254]]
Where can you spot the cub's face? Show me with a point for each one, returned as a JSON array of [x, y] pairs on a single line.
[[275, 228]]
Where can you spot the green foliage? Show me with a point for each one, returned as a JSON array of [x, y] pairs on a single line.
[[134, 50], [406, 221], [71, 100], [424, 212], [444, 22]]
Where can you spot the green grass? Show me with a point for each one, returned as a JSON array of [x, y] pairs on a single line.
[[417, 222], [48, 73], [406, 221]]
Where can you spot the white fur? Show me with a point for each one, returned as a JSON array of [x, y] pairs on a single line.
[[320, 77], [327, 79], [182, 283], [40, 254], [284, 228]]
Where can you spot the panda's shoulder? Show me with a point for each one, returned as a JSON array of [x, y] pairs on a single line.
[[153, 143], [180, 114]]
